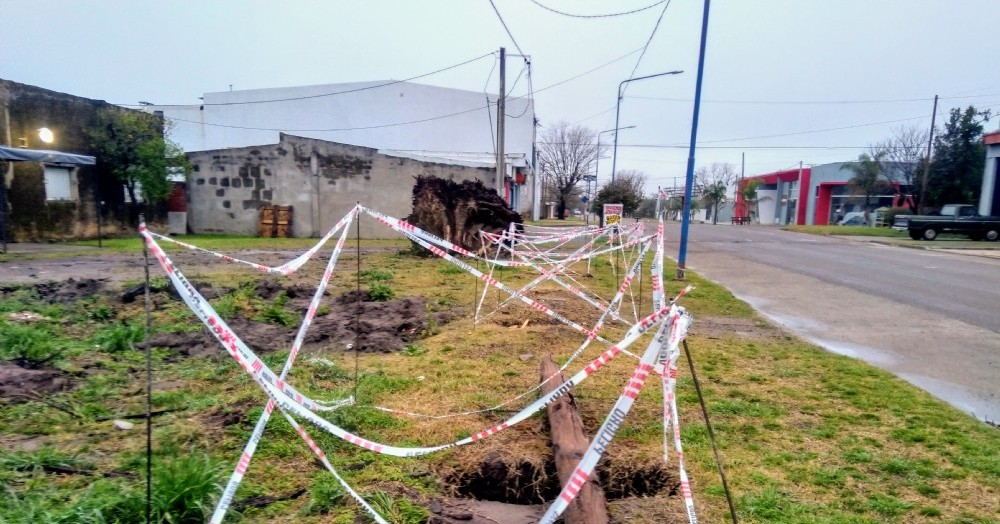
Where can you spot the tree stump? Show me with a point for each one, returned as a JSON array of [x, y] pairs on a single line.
[[569, 443]]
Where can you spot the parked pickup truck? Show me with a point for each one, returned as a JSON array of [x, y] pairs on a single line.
[[953, 218]]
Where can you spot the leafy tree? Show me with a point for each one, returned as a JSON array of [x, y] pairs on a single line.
[[131, 143], [626, 190], [867, 179], [959, 154], [566, 153], [749, 194], [901, 155], [715, 181]]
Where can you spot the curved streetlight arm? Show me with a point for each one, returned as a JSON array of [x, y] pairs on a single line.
[[618, 106]]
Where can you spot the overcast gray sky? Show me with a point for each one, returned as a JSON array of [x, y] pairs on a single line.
[[785, 80]]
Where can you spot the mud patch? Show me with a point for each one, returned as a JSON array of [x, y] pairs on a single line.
[[224, 416], [69, 291], [20, 384], [383, 327]]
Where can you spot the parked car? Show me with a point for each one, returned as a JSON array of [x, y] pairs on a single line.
[[954, 218], [854, 218]]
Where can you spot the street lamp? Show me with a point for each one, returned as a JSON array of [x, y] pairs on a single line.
[[618, 106], [45, 135], [597, 164]]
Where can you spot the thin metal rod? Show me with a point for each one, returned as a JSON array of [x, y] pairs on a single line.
[[711, 434], [357, 304], [149, 386]]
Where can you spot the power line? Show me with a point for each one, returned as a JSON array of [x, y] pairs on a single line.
[[812, 102], [620, 58], [648, 41], [607, 15], [321, 95], [511, 35]]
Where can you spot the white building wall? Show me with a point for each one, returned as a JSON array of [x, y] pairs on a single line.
[[444, 119]]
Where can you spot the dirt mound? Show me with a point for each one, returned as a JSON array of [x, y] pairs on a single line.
[[382, 326], [69, 291], [21, 384], [457, 212]]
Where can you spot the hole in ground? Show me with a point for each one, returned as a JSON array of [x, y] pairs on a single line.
[[518, 481]]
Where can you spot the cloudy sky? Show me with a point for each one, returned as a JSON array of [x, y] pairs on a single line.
[[785, 80]]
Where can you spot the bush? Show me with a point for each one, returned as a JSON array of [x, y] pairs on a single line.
[[380, 291], [324, 495], [29, 345], [369, 276], [889, 214], [120, 337], [277, 314]]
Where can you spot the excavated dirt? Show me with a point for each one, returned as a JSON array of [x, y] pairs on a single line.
[[383, 327], [17, 383], [457, 212]]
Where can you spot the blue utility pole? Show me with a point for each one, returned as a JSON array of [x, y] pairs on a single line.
[[689, 180]]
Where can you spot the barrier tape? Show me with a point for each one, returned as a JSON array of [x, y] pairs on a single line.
[[616, 416], [583, 346], [235, 346], [285, 402], [288, 399], [251, 446], [285, 269]]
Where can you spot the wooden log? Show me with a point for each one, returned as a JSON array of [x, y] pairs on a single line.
[[569, 443]]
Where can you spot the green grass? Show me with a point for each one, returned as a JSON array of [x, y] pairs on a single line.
[[856, 231]]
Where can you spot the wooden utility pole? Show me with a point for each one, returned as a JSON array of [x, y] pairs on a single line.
[[569, 443], [501, 114], [927, 164]]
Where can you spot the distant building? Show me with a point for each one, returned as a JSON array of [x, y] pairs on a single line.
[[319, 180], [55, 200], [989, 197], [817, 195], [430, 123]]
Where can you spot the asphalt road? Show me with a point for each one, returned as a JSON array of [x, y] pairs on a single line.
[[930, 317]]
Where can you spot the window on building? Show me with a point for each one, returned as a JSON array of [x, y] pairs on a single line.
[[57, 183]]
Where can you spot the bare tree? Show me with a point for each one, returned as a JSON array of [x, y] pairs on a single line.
[[900, 156], [715, 181], [566, 153]]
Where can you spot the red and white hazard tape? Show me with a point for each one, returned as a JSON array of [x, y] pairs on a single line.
[[616, 416], [284, 269], [251, 446], [287, 398]]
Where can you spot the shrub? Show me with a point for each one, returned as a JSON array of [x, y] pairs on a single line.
[[889, 214], [277, 314], [29, 345], [119, 337], [324, 494], [380, 291]]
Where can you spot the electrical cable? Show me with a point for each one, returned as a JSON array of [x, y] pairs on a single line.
[[648, 41], [511, 35], [606, 15], [321, 95], [810, 102]]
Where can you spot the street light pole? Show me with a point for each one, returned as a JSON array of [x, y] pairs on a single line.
[[618, 107], [597, 164]]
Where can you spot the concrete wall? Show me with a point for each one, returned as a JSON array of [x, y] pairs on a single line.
[[321, 180]]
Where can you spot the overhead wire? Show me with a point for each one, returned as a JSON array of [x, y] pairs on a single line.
[[322, 95], [504, 24], [812, 102], [605, 15], [645, 47]]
